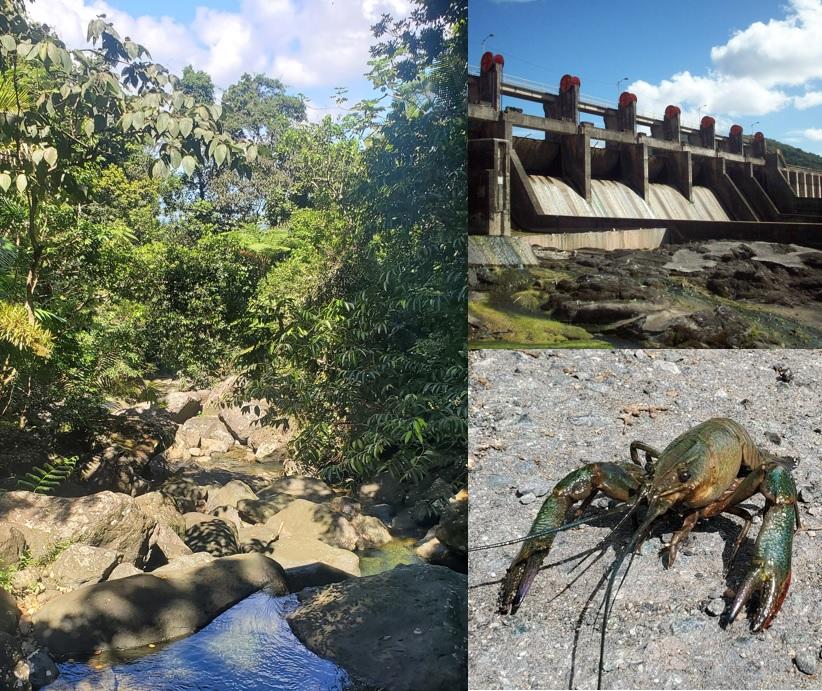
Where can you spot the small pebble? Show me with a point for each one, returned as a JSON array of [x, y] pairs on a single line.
[[715, 607], [805, 662], [527, 498]]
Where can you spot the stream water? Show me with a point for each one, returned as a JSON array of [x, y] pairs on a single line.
[[249, 647]]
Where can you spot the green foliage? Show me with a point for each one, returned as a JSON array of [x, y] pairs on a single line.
[[795, 156], [372, 360], [46, 479], [198, 84]]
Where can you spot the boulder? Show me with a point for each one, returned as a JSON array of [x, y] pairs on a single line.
[[123, 571], [371, 532], [163, 546], [220, 395], [430, 549], [213, 536], [385, 512], [206, 432], [14, 670], [183, 563], [243, 421], [182, 405], [421, 609], [42, 670], [186, 494], [105, 519], [228, 514], [302, 487], [141, 432], [260, 510], [12, 545], [256, 538], [230, 494], [452, 530], [308, 562], [80, 564], [163, 509], [9, 612], [347, 506], [145, 608], [303, 518]]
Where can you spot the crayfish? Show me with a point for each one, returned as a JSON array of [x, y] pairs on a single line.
[[706, 471]]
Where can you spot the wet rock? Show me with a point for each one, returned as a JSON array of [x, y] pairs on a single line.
[[143, 609], [105, 519], [386, 630], [42, 670], [14, 670], [385, 512], [81, 564], [452, 530]]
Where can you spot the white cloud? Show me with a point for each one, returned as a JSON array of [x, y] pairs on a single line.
[[808, 100], [783, 51], [306, 44], [813, 133], [750, 72]]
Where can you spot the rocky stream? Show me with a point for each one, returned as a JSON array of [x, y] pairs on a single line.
[[188, 550]]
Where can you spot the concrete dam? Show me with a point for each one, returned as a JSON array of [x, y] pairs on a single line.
[[637, 189]]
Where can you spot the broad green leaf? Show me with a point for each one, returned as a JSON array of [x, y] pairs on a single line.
[[162, 122], [185, 126], [88, 126], [5, 181], [36, 156], [50, 155], [21, 182], [176, 159], [220, 153], [53, 52], [159, 170], [126, 122], [7, 42], [100, 123], [138, 120], [189, 163], [251, 153], [216, 111]]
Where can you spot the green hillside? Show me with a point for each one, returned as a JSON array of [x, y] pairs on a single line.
[[796, 157]]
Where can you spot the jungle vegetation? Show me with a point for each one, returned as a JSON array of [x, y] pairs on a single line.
[[149, 229]]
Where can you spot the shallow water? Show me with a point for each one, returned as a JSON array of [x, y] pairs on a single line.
[[249, 647], [399, 551]]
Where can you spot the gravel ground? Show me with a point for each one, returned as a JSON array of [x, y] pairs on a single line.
[[536, 416]]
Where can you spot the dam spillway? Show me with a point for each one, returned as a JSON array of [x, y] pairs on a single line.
[[613, 199]]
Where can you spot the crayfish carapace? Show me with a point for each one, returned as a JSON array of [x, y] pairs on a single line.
[[708, 470]]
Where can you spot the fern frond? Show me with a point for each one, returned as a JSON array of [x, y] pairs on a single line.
[[48, 478]]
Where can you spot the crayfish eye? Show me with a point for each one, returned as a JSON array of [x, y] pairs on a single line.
[[684, 476]]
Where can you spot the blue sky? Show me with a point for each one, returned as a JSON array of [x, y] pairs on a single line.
[[741, 62], [311, 45]]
